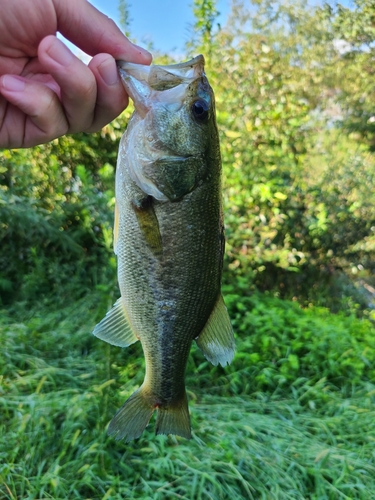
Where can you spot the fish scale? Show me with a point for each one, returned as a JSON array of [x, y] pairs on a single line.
[[169, 242]]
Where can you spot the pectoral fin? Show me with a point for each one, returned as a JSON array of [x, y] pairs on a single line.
[[114, 328], [216, 339], [149, 225]]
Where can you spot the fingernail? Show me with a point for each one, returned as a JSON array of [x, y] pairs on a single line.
[[13, 83], [60, 53], [143, 51], [108, 71]]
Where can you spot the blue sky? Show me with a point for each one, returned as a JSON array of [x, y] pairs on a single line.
[[164, 22]]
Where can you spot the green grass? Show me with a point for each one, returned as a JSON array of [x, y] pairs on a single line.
[[300, 437]]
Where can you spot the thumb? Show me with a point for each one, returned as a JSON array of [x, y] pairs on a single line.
[[94, 33]]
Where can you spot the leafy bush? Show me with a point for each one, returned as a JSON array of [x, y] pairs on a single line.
[[56, 213], [282, 346], [60, 386], [298, 198]]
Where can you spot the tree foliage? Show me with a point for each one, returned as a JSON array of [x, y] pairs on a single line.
[[125, 19], [205, 14], [299, 198], [354, 29], [56, 213], [294, 90]]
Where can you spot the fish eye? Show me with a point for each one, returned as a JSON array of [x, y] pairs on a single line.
[[200, 110]]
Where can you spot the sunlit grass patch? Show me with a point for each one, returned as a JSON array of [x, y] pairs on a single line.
[[60, 387]]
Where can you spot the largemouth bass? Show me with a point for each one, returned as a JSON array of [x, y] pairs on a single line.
[[169, 241]]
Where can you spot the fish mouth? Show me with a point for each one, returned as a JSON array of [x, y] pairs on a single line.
[[166, 84], [164, 77]]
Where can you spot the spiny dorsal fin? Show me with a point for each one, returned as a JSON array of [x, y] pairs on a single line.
[[114, 328], [216, 339]]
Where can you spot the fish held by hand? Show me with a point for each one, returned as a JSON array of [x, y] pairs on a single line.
[[169, 241]]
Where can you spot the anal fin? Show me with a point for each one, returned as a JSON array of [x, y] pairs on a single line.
[[114, 328], [216, 340]]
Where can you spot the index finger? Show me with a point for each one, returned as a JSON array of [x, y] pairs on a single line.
[[93, 32]]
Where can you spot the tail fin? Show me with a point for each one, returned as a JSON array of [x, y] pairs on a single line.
[[132, 418], [174, 419]]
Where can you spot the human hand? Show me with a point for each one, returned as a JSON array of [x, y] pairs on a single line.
[[45, 90]]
